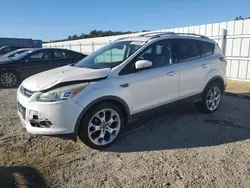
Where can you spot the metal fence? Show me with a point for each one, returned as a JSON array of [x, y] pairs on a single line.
[[233, 37]]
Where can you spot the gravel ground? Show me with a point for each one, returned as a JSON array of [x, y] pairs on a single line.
[[182, 148]]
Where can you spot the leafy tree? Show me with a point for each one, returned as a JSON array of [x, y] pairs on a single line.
[[95, 33], [241, 18], [74, 37]]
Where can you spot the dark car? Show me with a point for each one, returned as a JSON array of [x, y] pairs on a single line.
[[14, 53], [14, 70]]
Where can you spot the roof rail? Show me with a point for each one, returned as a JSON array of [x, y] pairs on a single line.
[[159, 34]]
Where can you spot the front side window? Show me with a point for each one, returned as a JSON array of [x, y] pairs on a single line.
[[187, 50], [110, 55], [40, 55], [159, 53]]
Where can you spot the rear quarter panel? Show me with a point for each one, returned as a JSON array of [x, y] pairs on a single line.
[[217, 68]]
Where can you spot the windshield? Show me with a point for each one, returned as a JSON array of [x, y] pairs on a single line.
[[20, 56], [14, 53], [110, 55]]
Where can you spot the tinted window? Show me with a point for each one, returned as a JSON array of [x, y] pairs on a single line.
[[70, 54], [187, 50], [207, 48], [59, 54], [39, 55]]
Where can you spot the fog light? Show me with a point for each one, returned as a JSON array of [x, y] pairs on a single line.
[[33, 114]]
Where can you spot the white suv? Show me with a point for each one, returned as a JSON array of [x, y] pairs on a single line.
[[95, 98]]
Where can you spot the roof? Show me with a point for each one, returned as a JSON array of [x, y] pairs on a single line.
[[154, 35]]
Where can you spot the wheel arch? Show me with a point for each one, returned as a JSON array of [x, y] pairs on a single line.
[[112, 99], [217, 79]]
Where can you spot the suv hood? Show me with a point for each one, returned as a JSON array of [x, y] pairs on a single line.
[[63, 75]]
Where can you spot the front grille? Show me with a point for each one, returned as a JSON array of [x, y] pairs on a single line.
[[21, 109], [26, 92]]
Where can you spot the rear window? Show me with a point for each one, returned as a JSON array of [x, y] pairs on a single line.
[[187, 50], [207, 48]]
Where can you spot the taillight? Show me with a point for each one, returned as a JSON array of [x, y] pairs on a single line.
[[223, 59]]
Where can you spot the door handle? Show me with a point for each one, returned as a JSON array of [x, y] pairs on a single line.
[[204, 65], [171, 73], [124, 85]]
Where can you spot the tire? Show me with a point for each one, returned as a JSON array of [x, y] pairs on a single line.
[[9, 79], [211, 98], [95, 129]]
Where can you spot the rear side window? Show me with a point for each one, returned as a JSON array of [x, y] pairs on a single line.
[[71, 54], [187, 50], [207, 48]]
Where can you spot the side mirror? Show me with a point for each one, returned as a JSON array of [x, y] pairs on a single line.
[[143, 64]]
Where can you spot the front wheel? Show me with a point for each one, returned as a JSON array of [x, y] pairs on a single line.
[[211, 98], [101, 125], [8, 79]]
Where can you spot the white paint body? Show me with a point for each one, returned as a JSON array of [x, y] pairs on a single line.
[[147, 88]]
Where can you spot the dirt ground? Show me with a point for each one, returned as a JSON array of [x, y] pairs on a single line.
[[238, 87], [182, 148]]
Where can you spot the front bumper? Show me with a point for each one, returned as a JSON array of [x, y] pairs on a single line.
[[62, 115]]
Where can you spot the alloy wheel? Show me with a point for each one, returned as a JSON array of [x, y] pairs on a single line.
[[213, 98], [8, 79], [104, 127]]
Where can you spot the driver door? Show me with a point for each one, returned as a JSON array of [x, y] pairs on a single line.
[[157, 85]]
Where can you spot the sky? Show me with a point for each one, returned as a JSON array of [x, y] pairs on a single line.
[[57, 19]]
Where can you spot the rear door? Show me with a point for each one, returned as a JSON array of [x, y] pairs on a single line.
[[35, 62], [191, 67], [61, 57], [208, 60]]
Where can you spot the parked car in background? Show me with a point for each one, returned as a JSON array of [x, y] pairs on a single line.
[[6, 49], [96, 98], [14, 53], [10, 44], [33, 61]]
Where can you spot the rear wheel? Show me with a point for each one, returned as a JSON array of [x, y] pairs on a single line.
[[8, 79], [211, 98], [101, 126]]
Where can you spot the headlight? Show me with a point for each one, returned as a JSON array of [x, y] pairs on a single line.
[[60, 94]]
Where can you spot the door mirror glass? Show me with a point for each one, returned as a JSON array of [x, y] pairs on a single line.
[[143, 64]]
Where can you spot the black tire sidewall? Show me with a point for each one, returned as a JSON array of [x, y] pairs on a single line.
[[83, 129], [17, 79], [204, 97]]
